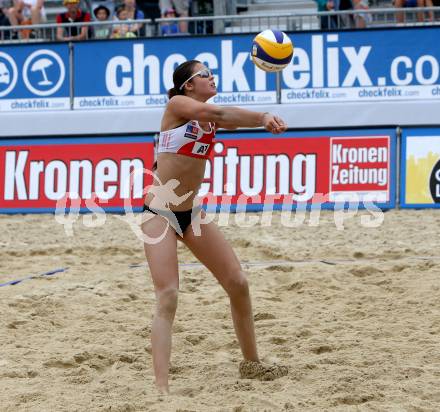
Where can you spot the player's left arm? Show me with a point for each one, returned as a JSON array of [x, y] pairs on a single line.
[[272, 123]]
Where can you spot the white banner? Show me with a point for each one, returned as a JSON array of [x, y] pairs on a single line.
[[31, 104], [117, 102], [359, 94]]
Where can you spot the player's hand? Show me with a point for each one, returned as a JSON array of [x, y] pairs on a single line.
[[274, 124]]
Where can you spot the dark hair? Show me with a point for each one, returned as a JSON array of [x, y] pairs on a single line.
[[182, 73], [95, 12]]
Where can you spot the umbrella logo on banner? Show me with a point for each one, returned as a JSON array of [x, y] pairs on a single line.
[[8, 74], [42, 65], [44, 72]]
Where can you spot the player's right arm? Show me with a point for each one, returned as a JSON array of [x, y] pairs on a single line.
[[226, 117]]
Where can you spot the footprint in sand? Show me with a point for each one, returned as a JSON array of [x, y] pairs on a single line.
[[195, 339], [188, 392], [278, 341], [303, 333], [363, 272], [261, 371], [182, 369], [354, 399], [15, 324], [144, 332], [318, 350], [242, 243], [82, 357], [80, 379], [273, 299], [399, 268], [358, 255], [19, 374], [296, 286], [194, 281], [263, 316], [60, 363], [280, 268]]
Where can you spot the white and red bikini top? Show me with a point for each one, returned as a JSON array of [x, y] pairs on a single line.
[[189, 140]]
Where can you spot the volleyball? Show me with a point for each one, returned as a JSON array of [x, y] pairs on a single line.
[[272, 50]]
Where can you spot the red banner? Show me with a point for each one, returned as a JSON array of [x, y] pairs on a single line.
[[308, 169], [40, 176], [360, 165], [113, 173]]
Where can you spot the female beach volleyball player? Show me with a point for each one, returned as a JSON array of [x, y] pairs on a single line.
[[185, 142]]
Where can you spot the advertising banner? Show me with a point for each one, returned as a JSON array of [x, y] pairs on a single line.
[[420, 168], [373, 65], [139, 73], [44, 175], [34, 77], [346, 66], [253, 169], [246, 171], [349, 66]]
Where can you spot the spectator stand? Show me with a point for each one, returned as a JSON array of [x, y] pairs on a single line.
[[202, 8], [243, 23]]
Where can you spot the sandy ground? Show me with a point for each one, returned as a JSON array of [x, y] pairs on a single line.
[[354, 314]]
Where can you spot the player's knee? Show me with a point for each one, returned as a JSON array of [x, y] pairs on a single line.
[[237, 285], [167, 301]]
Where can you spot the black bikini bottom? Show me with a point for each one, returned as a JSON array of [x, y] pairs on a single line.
[[179, 220]]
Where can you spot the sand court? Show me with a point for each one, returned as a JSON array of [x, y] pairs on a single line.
[[353, 313]]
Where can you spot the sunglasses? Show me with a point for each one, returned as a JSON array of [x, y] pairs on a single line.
[[204, 74]]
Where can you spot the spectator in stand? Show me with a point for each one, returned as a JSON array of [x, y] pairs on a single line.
[[171, 28], [413, 3], [120, 30], [73, 15], [27, 12], [348, 20], [109, 4], [151, 11], [326, 22], [362, 19], [150, 8], [359, 21], [104, 31], [4, 21], [344, 20], [182, 10], [133, 13]]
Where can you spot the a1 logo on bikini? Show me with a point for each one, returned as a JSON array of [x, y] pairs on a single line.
[[200, 148]]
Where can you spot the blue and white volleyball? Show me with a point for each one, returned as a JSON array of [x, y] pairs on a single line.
[[272, 50]]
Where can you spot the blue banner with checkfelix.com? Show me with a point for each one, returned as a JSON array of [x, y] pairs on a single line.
[[348, 66], [34, 77]]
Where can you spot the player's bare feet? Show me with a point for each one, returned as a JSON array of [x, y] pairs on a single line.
[[163, 389]]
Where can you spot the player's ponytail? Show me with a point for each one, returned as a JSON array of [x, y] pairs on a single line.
[[173, 92]]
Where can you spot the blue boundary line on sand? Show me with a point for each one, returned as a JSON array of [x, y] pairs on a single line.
[[49, 273]]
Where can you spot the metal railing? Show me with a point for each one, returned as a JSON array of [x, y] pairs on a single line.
[[293, 21]]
